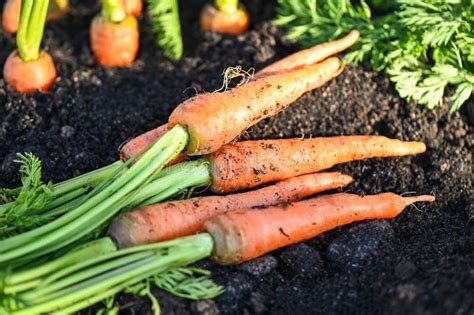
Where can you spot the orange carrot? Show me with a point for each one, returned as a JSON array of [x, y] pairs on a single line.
[[133, 7], [234, 21], [114, 43], [214, 119], [243, 235], [311, 55], [248, 164], [165, 221], [11, 13], [29, 76]]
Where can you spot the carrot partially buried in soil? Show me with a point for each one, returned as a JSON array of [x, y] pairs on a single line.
[[12, 8], [29, 69], [290, 63], [164, 221], [243, 235], [225, 16], [114, 35], [255, 162]]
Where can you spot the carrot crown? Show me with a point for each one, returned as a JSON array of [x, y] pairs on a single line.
[[113, 10], [31, 28], [228, 6]]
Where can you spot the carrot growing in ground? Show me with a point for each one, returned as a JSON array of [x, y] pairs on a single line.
[[133, 7], [244, 235], [225, 16], [29, 69], [169, 220], [114, 35], [292, 62], [94, 272], [12, 8]]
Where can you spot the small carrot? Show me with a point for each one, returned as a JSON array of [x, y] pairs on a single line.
[[311, 55], [165, 221], [133, 7], [114, 35], [11, 13], [243, 235], [29, 69], [248, 164], [214, 119], [225, 16]]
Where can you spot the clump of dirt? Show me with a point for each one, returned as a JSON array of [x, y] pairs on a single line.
[[424, 265]]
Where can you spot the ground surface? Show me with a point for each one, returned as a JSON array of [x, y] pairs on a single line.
[[420, 262]]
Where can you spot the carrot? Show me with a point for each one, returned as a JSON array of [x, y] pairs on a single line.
[[165, 221], [311, 55], [243, 235], [214, 119], [225, 17], [133, 7], [11, 13], [248, 164], [29, 69], [114, 36]]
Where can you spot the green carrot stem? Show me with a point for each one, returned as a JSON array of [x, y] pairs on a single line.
[[113, 11], [64, 199], [94, 212], [228, 6], [186, 250], [92, 249], [31, 27]]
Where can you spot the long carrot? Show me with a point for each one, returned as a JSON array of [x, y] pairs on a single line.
[[247, 234], [114, 35], [248, 164], [225, 16], [215, 119], [311, 55], [165, 221], [297, 60]]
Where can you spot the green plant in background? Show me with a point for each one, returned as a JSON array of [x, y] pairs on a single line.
[[423, 45], [167, 27]]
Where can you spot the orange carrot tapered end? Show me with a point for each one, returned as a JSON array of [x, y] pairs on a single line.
[[422, 198]]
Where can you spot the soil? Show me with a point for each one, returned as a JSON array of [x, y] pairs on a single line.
[[421, 262]]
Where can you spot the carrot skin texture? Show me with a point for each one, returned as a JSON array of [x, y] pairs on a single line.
[[234, 23], [247, 164], [30, 76], [311, 55], [169, 220], [215, 119], [133, 7], [114, 44], [243, 235]]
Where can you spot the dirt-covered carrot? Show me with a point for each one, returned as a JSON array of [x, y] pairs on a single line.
[[244, 235], [311, 55], [248, 164], [114, 35], [12, 8], [165, 221], [133, 7], [225, 16], [29, 69], [215, 119]]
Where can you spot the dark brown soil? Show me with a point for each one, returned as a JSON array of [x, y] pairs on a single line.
[[421, 262]]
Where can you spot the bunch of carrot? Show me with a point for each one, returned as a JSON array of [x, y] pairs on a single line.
[[236, 227]]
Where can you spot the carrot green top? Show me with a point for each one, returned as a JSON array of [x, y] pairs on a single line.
[[113, 10], [31, 28], [228, 6]]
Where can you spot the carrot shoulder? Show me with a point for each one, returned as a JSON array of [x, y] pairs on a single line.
[[173, 219], [311, 55], [214, 119], [243, 235], [248, 164]]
